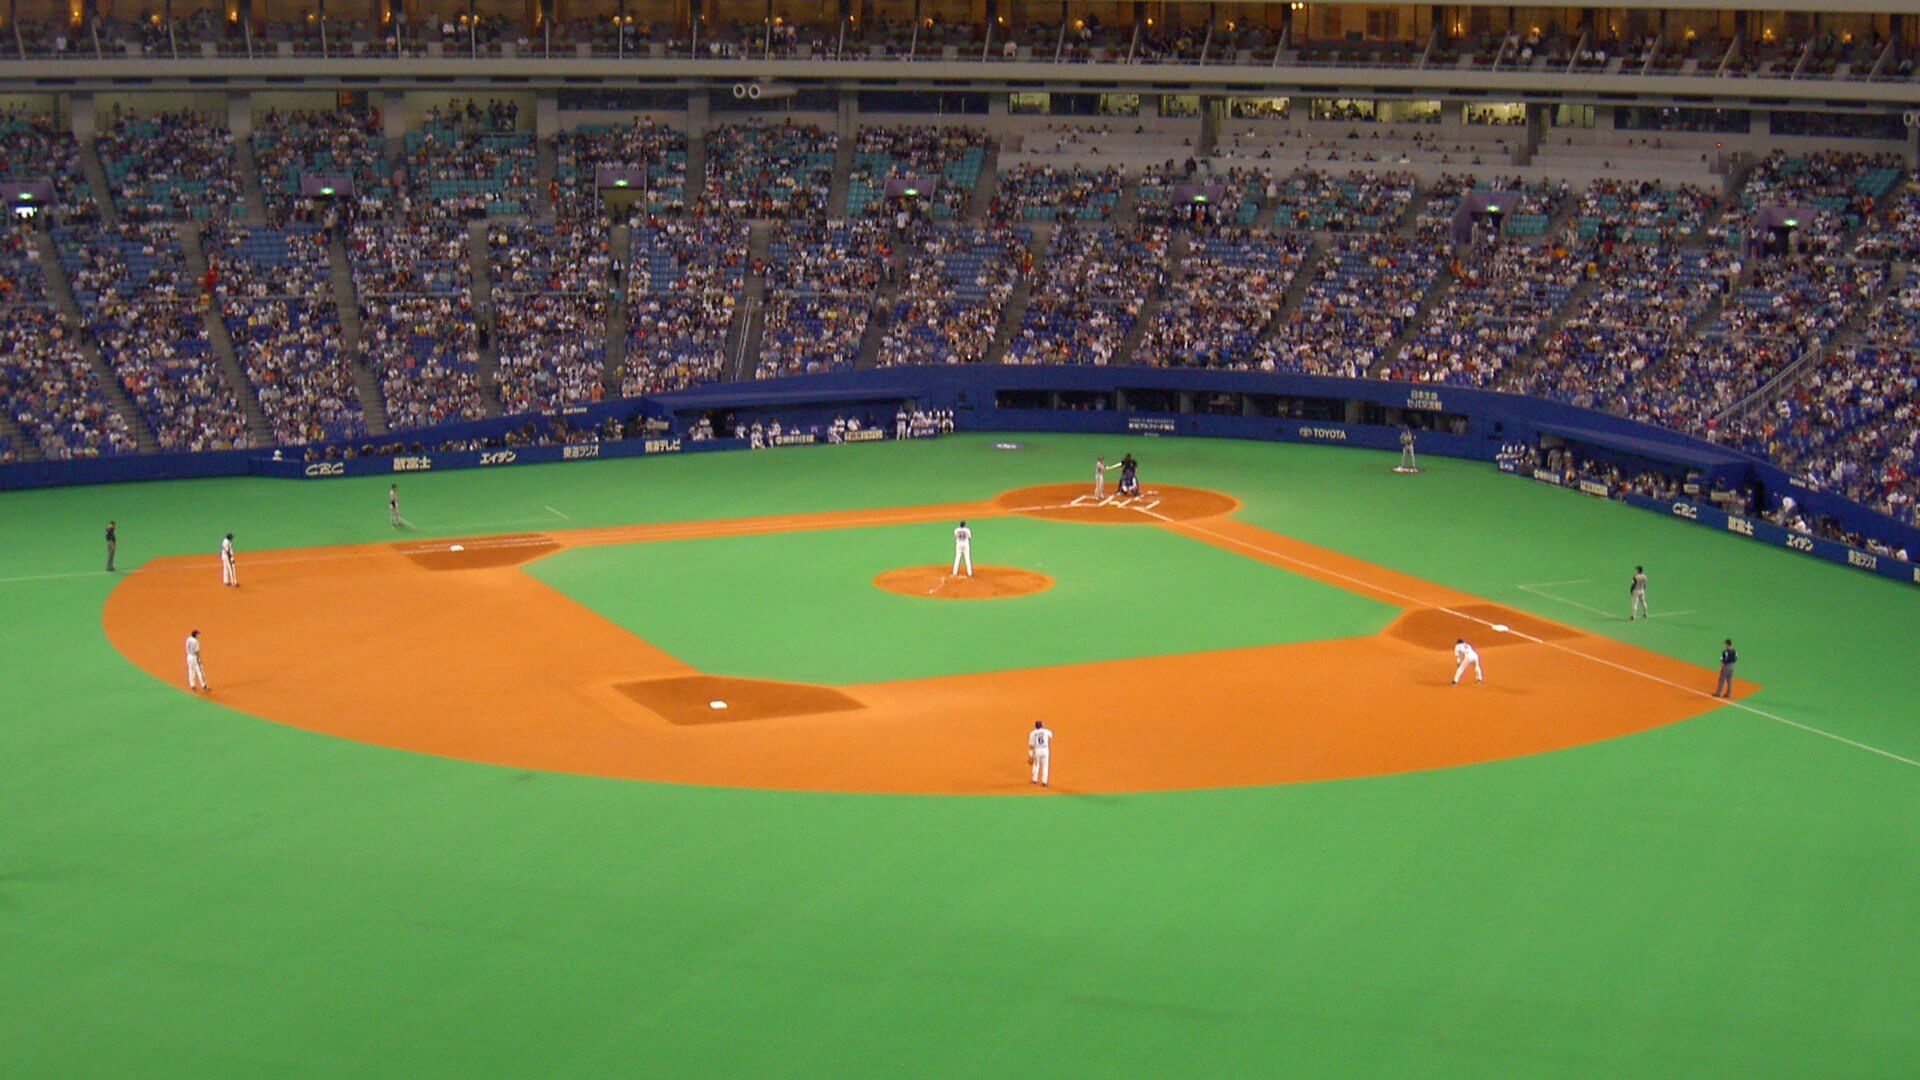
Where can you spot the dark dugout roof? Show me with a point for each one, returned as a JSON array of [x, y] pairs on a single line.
[[1692, 455]]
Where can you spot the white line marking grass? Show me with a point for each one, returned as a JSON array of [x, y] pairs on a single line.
[[1541, 591], [1651, 677]]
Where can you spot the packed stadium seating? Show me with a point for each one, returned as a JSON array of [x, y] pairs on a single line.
[[1048, 192], [1853, 423], [958, 280], [1225, 292], [46, 384], [276, 299], [414, 282], [292, 146], [1499, 301], [682, 289], [33, 145], [821, 280], [658, 149], [949, 158], [131, 287], [1088, 294], [473, 159], [1364, 291], [550, 285], [1658, 300], [782, 170], [170, 166]]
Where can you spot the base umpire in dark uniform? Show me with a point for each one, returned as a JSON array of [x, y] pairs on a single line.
[[1728, 658]]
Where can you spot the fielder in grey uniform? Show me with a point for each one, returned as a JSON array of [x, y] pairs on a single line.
[[1406, 451], [1637, 591], [1728, 658]]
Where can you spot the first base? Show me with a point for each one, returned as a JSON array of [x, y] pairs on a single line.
[[458, 547], [716, 704]]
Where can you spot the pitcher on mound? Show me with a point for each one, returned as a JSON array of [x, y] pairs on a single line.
[[962, 549]]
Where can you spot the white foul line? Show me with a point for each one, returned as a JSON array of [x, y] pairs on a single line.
[[1682, 687], [1541, 590], [1537, 591], [562, 517]]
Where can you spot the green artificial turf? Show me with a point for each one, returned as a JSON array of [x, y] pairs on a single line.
[[188, 891], [802, 607]]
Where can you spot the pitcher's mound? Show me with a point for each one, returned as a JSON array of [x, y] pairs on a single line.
[[987, 582]]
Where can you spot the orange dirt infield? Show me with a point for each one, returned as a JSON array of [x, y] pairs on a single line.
[[459, 653], [986, 582]]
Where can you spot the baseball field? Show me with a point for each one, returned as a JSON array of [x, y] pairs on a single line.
[[707, 766]]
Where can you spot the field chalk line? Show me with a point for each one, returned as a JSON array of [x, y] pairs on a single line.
[[1682, 687], [1223, 538], [1541, 591]]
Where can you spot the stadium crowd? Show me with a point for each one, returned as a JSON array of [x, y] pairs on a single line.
[[1600, 295]]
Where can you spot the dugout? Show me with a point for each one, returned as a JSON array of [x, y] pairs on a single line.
[[1694, 467]]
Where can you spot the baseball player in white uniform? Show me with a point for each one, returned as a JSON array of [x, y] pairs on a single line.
[[1039, 752], [1637, 591], [196, 679], [228, 575], [1099, 477], [1464, 657], [963, 549]]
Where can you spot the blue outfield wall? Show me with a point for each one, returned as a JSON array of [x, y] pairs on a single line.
[[1767, 532], [1140, 401]]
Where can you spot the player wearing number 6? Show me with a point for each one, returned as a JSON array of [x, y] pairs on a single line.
[[1039, 752]]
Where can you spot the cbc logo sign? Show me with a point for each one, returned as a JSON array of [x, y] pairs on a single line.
[[752, 92], [1911, 118]]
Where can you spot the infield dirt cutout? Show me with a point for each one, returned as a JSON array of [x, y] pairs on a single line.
[[461, 653]]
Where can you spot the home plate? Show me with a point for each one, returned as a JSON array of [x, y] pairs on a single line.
[[716, 704], [1499, 628], [458, 547]]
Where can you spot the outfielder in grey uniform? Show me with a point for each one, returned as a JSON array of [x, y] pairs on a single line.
[[1637, 591]]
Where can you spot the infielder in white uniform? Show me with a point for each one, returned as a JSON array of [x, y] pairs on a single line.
[[963, 549], [1464, 657], [196, 679], [1099, 477], [228, 575], [1039, 752], [1637, 591]]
